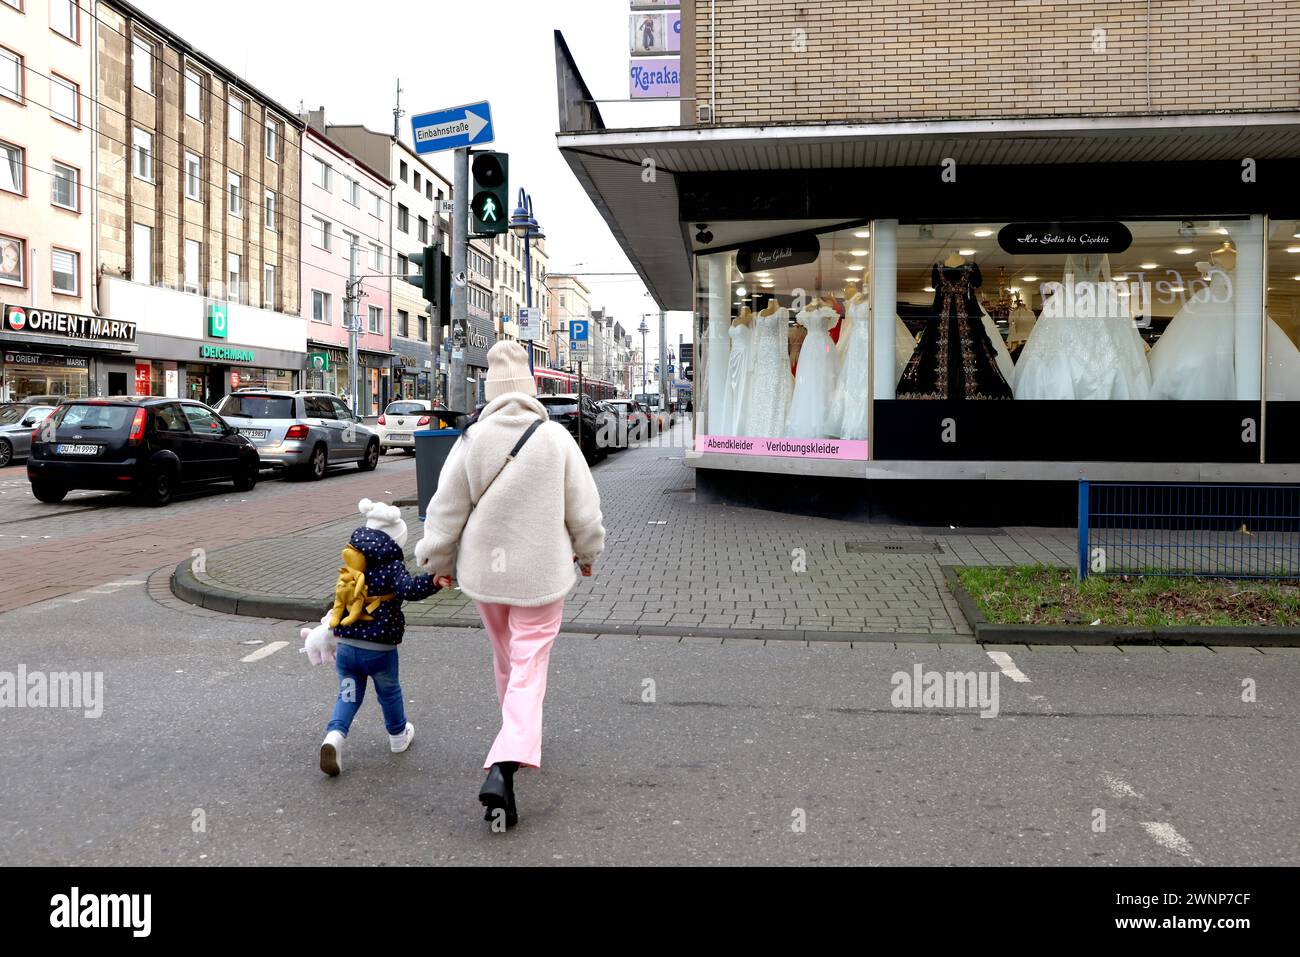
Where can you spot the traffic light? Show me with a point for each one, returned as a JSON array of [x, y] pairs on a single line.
[[429, 280], [489, 208]]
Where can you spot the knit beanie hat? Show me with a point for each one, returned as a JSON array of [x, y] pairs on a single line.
[[508, 371], [384, 518]]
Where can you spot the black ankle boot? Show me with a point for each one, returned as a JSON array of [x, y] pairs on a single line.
[[498, 792]]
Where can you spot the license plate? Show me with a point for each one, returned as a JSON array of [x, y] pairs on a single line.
[[76, 449], [253, 433], [399, 436]]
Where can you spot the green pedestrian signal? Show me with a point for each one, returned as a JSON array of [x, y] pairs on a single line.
[[488, 209]]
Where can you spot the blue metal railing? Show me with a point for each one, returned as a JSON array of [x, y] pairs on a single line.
[[1220, 531]]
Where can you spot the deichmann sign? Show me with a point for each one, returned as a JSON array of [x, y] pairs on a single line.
[[226, 353], [1046, 239], [67, 324]]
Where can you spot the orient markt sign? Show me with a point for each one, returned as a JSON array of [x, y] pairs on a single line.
[[69, 325]]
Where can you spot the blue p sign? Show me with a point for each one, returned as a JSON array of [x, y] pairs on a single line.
[[578, 330]]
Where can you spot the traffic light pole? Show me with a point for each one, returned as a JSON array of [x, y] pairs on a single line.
[[456, 384], [354, 311]]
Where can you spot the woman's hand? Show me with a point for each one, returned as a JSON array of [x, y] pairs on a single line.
[[423, 548]]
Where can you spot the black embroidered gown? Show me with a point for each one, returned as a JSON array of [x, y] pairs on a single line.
[[954, 359]]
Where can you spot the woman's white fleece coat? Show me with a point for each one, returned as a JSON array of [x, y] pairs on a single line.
[[516, 546]]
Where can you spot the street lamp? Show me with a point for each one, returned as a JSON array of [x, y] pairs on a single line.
[[524, 225], [644, 372]]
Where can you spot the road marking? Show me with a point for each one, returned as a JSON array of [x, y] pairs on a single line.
[[109, 588], [1168, 838], [1118, 788], [1007, 666], [261, 653]]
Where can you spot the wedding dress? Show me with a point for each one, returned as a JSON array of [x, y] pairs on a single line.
[[810, 406], [1283, 366], [1194, 359], [1069, 356], [904, 345], [770, 381], [739, 360], [1005, 365], [848, 418]]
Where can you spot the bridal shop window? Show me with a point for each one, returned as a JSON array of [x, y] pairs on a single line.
[[784, 334], [1121, 311]]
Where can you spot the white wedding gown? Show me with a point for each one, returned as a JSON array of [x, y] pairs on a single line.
[[848, 418], [1005, 365], [770, 381], [815, 378], [1082, 357], [1194, 359], [739, 360], [1283, 366]]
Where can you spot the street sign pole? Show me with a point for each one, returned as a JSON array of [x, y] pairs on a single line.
[[456, 378], [580, 448]]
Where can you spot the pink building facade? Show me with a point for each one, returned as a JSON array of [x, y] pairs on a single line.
[[345, 212]]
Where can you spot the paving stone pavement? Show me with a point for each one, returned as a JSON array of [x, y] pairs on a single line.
[[670, 561]]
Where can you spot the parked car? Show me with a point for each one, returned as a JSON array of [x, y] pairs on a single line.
[[589, 425], [152, 446], [16, 422], [635, 422], [396, 427], [303, 432]]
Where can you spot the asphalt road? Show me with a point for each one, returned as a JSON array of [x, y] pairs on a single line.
[[742, 743]]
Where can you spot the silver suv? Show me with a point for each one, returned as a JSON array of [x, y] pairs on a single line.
[[303, 431]]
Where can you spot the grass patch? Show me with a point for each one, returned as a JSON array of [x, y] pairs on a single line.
[[1040, 595]]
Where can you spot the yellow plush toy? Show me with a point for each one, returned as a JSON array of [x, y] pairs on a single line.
[[351, 602]]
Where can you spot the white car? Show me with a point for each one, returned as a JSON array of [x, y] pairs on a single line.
[[398, 424]]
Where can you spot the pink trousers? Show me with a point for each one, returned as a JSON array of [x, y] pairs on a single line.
[[521, 652]]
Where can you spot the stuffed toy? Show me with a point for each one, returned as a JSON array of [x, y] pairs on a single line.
[[319, 642]]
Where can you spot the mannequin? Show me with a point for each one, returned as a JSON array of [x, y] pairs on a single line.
[[770, 381], [744, 317], [848, 415], [955, 260], [739, 359], [818, 372], [851, 295]]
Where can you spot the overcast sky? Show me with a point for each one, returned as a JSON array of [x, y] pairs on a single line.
[[347, 56]]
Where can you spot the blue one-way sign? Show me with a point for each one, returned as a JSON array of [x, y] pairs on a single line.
[[469, 125]]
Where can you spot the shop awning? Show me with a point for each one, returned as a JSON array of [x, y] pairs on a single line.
[[643, 216]]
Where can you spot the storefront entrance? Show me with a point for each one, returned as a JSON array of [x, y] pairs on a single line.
[[28, 374]]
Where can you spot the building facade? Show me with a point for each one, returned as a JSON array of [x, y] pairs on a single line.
[[512, 282], [568, 298], [52, 337], [198, 215], [1081, 184], [346, 211]]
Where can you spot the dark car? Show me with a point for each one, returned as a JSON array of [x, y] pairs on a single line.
[[593, 428], [149, 446]]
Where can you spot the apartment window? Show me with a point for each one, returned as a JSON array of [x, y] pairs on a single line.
[[350, 244], [143, 143], [424, 328], [376, 256], [64, 100], [354, 193], [11, 75], [193, 250], [65, 266], [320, 306], [193, 176], [236, 185], [64, 191], [142, 65], [193, 94], [235, 119], [376, 206], [403, 218], [403, 323], [63, 19], [141, 253], [416, 182], [272, 141], [376, 319], [401, 166], [13, 168], [233, 271], [428, 191], [321, 233], [403, 265], [324, 174], [268, 286], [270, 211], [424, 230]]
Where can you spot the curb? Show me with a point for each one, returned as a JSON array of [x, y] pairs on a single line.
[[188, 588], [987, 632]]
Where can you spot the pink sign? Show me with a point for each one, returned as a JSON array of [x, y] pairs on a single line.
[[790, 448]]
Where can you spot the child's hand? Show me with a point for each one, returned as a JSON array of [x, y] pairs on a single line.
[[443, 581]]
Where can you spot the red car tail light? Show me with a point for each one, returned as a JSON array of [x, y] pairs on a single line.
[[424, 420], [296, 432], [382, 420], [137, 427]]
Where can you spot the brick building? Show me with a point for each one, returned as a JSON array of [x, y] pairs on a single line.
[[868, 205]]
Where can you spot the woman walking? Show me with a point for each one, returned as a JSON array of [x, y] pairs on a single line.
[[516, 506]]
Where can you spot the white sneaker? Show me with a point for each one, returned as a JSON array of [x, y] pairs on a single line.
[[400, 742], [331, 754]]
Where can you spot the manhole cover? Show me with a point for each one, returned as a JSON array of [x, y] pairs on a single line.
[[893, 548], [959, 530]]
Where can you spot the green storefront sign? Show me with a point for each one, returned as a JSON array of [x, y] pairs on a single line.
[[218, 320], [226, 353]]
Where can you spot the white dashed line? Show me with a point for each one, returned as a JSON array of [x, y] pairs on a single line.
[[261, 653], [109, 588], [1118, 788], [1007, 666], [1165, 835]]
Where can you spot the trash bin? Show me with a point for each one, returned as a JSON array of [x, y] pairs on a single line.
[[431, 448]]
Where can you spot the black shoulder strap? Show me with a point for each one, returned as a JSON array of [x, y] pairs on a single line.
[[509, 458], [524, 438]]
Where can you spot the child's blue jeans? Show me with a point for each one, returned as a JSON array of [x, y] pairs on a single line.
[[354, 666]]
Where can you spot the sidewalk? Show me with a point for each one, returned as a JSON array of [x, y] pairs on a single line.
[[675, 567]]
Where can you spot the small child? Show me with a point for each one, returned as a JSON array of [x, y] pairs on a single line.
[[368, 623]]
